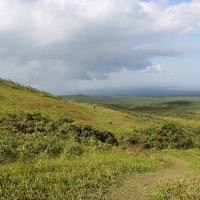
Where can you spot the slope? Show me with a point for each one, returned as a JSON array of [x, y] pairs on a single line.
[[14, 97]]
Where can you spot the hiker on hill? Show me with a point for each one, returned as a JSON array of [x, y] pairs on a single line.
[[94, 107]]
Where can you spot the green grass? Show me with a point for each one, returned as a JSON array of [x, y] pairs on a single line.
[[80, 177], [190, 156], [51, 157], [183, 111], [12, 99], [181, 189], [186, 187], [180, 109]]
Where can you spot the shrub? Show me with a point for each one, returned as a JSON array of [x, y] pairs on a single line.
[[26, 135], [84, 131], [28, 123], [55, 147], [7, 152], [169, 135], [74, 150]]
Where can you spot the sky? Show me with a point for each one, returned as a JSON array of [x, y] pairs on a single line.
[[66, 46]]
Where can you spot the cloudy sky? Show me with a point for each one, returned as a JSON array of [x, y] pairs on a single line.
[[64, 46]]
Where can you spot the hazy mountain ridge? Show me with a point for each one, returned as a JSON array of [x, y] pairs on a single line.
[[143, 91]]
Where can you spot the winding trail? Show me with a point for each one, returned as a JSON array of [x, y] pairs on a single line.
[[136, 187]]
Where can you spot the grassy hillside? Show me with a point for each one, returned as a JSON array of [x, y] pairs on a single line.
[[14, 97], [55, 149]]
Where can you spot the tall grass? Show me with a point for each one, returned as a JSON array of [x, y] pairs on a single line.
[[182, 188], [179, 189], [80, 177]]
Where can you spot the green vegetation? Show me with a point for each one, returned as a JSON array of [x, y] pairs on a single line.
[[169, 135], [17, 86], [186, 187], [47, 136], [51, 148], [184, 110], [44, 158], [79, 177]]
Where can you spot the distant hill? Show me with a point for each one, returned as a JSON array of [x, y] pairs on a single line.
[[141, 91]]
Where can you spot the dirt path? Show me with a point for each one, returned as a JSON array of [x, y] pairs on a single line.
[[136, 187]]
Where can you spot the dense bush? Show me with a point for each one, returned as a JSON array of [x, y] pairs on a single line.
[[7, 152], [55, 147], [74, 149], [26, 135], [169, 135], [87, 131], [26, 122]]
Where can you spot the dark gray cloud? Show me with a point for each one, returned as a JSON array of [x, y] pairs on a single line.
[[89, 39]]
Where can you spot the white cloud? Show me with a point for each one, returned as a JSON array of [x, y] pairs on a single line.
[[152, 69], [90, 39]]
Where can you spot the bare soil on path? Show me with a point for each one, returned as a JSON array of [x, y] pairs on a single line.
[[136, 188]]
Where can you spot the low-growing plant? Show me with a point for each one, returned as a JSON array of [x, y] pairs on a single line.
[[168, 135], [26, 136], [85, 177], [85, 131], [74, 149], [28, 123], [7, 152], [182, 188]]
